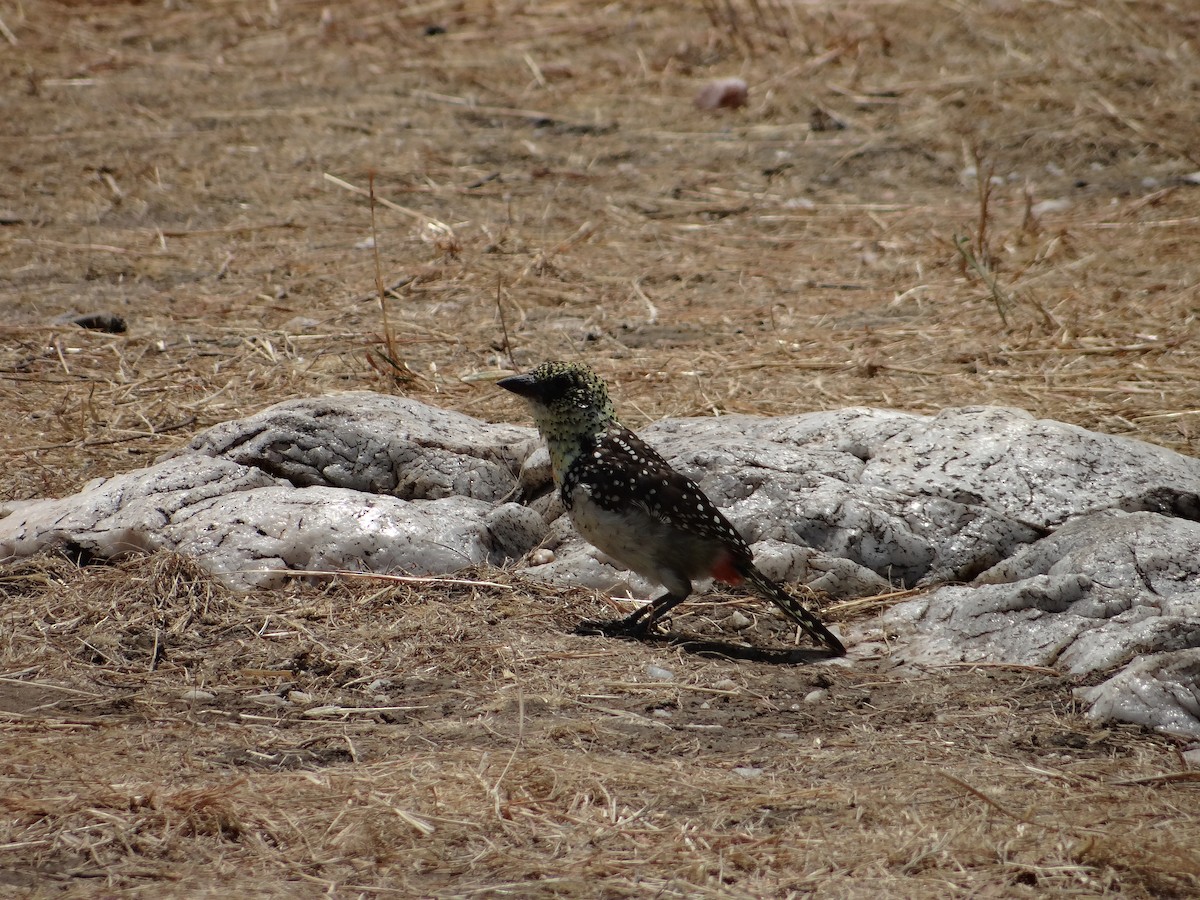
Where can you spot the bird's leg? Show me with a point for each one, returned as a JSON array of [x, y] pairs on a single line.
[[638, 623], [642, 619]]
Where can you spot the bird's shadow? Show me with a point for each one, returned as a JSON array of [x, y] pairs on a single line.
[[690, 643]]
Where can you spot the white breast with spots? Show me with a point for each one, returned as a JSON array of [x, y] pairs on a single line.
[[643, 543]]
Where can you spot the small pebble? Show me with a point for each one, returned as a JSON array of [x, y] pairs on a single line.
[[725, 684], [661, 713], [660, 674], [299, 697], [722, 93], [1050, 206], [738, 622], [748, 772], [195, 695], [817, 696]]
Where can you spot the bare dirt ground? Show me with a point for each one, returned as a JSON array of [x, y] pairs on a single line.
[[545, 186]]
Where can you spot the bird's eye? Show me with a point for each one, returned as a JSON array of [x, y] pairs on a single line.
[[557, 388]]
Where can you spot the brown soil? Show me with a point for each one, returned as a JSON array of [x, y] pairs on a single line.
[[546, 188]]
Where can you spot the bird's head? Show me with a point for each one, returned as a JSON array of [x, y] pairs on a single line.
[[568, 400]]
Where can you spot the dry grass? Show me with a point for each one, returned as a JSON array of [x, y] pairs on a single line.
[[167, 736], [201, 169]]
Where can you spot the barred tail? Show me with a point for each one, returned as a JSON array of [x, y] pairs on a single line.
[[793, 608]]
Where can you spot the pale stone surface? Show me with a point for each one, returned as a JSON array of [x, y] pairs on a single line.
[[374, 443], [1161, 691], [357, 481], [1038, 543]]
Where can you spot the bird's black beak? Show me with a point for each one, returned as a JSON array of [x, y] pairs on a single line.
[[522, 385]]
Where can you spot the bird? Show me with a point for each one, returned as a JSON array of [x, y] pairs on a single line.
[[624, 498]]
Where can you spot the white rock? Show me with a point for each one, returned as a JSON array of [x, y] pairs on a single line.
[[737, 621], [1064, 547], [722, 93], [1060, 204], [1161, 691]]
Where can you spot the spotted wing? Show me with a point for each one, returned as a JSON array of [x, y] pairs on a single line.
[[620, 469]]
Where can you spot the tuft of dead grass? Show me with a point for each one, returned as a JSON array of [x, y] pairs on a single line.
[[167, 736]]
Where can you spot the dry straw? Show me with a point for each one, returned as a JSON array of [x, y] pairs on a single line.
[[544, 163]]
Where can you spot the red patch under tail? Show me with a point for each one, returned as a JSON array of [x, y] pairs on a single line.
[[726, 570]]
